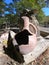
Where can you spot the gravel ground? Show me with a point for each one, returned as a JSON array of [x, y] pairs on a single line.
[[43, 59]]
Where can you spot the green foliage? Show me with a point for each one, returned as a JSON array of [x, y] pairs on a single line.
[[2, 20], [46, 19], [2, 5], [19, 6], [40, 16], [31, 4], [11, 18]]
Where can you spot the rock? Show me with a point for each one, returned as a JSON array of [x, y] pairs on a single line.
[[47, 37], [6, 60]]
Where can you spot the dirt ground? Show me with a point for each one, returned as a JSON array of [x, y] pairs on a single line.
[[42, 59]]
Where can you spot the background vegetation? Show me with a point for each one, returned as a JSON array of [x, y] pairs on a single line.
[[17, 6]]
